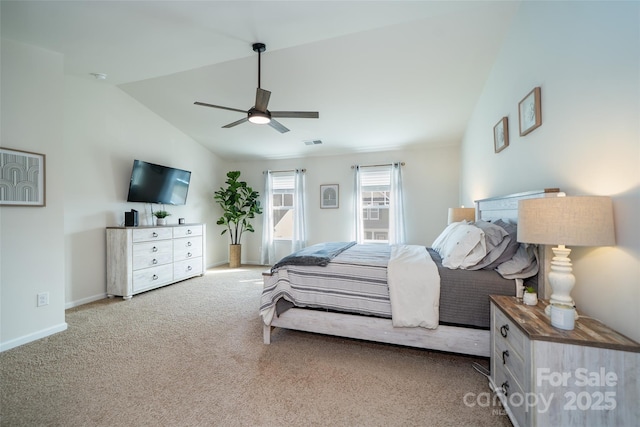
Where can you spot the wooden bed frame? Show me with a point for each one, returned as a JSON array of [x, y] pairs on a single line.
[[453, 339]]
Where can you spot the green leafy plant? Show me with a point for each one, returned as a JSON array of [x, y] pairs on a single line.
[[161, 214], [240, 204], [530, 289]]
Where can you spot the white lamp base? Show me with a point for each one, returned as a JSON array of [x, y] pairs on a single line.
[[561, 278]]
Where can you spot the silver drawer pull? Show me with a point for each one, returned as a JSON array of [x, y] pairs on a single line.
[[189, 268], [189, 255], [505, 388], [154, 249], [504, 329], [155, 277], [155, 261], [154, 234], [188, 243], [189, 231], [505, 354]]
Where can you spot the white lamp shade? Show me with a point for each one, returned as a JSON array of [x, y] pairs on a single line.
[[572, 221], [461, 214]]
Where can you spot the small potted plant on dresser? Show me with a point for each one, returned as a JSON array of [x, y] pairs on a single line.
[[161, 217], [239, 204], [530, 296]]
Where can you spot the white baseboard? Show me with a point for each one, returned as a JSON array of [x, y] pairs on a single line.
[[8, 345], [82, 301]]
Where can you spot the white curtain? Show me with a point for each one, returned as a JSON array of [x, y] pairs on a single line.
[[396, 208], [359, 226], [299, 238], [268, 255]]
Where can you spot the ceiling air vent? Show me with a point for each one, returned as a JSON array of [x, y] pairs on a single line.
[[313, 142]]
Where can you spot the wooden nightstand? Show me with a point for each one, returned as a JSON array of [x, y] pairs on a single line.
[[546, 376]]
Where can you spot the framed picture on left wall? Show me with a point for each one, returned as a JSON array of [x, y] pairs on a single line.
[[22, 178]]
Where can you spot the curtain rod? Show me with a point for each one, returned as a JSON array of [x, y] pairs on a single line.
[[289, 170], [375, 166]]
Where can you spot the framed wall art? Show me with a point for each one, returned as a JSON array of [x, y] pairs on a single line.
[[501, 135], [329, 195], [22, 178], [530, 112]]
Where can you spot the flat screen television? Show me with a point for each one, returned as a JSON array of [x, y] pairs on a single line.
[[151, 183]]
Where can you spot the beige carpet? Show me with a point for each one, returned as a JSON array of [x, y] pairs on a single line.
[[191, 354]]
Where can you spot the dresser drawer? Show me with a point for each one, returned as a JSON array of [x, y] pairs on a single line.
[[149, 278], [151, 254], [505, 329], [187, 230], [149, 234], [189, 247], [187, 268]]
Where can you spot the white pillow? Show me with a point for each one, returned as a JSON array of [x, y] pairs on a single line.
[[462, 245], [437, 244]]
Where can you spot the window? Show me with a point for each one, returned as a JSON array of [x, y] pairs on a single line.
[[283, 214], [283, 207], [379, 198], [375, 189]]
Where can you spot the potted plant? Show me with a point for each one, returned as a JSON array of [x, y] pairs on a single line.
[[239, 204], [530, 296], [161, 217]]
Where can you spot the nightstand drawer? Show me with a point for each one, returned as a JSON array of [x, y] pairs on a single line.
[[506, 330], [509, 387], [507, 358]]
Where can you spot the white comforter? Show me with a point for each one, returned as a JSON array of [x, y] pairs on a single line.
[[414, 287]]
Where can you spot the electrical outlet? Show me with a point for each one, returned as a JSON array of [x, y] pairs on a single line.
[[43, 299]]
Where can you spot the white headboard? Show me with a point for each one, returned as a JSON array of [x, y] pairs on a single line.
[[506, 207]]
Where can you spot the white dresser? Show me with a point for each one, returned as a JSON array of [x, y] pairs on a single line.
[[144, 258], [546, 376]]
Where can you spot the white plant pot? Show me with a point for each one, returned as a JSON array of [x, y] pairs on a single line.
[[530, 298], [161, 221]]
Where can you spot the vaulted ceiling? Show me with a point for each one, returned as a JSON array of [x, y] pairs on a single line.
[[383, 74]]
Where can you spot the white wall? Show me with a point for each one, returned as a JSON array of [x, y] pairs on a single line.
[[32, 238], [105, 130], [90, 133], [431, 184], [585, 57]]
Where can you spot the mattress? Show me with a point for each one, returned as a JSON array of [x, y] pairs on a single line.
[[355, 281]]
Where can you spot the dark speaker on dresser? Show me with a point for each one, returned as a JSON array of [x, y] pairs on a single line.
[[131, 218]]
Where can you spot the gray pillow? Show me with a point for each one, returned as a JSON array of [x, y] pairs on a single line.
[[523, 264], [511, 245]]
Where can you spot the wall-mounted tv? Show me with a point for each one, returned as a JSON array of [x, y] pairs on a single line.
[[151, 183]]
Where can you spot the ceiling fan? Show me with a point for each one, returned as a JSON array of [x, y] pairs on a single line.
[[259, 114]]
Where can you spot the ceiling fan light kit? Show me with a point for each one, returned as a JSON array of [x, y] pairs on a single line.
[[258, 117], [259, 114]]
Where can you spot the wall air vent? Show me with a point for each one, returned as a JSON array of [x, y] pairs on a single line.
[[313, 142]]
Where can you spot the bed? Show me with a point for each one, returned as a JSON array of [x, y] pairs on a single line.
[[356, 301]]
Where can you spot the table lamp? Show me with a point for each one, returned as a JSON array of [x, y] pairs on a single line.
[[573, 221], [461, 214]]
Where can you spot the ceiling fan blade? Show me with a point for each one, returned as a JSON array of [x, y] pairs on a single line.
[[262, 99], [204, 104], [278, 126], [296, 114], [236, 123]]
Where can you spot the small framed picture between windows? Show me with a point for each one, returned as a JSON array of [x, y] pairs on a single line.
[[329, 196]]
